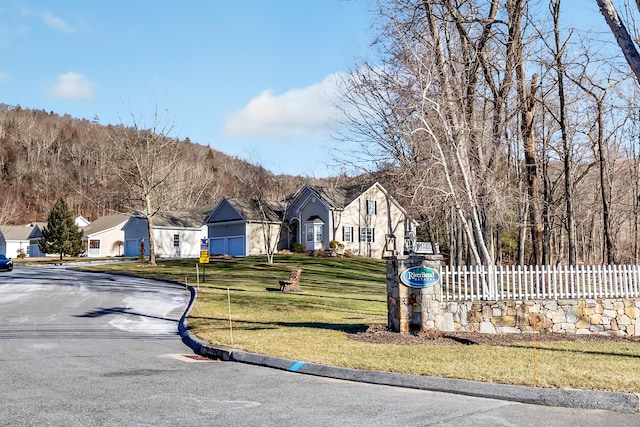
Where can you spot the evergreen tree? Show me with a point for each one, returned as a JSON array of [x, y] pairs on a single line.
[[61, 235]]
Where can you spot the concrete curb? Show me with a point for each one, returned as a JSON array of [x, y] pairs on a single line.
[[569, 398]]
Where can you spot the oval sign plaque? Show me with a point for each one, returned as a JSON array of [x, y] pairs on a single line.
[[419, 277]]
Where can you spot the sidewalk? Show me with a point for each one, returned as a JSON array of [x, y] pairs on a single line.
[[569, 398]]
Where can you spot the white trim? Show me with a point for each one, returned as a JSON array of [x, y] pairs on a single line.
[[93, 254]]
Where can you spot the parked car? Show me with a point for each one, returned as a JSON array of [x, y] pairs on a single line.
[[5, 263]]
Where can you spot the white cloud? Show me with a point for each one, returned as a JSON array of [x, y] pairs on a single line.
[[56, 22], [73, 86], [308, 111]]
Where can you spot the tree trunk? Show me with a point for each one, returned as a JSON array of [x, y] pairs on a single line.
[[636, 207], [522, 231], [606, 219], [531, 166], [526, 103], [152, 240], [547, 254], [566, 154], [621, 34]]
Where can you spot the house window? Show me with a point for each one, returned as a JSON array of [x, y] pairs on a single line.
[[176, 240], [367, 234], [314, 233], [94, 244], [371, 207], [347, 234]]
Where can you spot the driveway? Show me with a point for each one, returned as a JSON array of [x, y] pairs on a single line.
[[82, 349]]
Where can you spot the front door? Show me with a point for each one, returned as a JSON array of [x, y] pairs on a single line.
[[314, 236], [94, 248]]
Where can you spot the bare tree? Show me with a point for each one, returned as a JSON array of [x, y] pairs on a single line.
[[266, 198], [444, 83], [8, 207], [598, 94], [620, 32], [146, 163], [566, 149]]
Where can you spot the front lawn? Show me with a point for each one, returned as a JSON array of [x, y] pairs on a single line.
[[343, 296]]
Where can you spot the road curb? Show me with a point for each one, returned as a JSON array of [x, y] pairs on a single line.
[[569, 398]]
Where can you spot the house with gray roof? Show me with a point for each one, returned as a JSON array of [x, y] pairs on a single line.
[[365, 219], [20, 239], [241, 227], [177, 234], [104, 236]]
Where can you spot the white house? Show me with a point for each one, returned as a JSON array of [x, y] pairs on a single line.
[[17, 239], [177, 234], [104, 236], [239, 227]]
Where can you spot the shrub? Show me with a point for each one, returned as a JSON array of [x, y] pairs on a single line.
[[334, 244]]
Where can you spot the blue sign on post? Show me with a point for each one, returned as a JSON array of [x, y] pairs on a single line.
[[419, 277], [204, 251]]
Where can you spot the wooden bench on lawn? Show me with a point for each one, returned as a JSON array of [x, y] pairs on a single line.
[[293, 283]]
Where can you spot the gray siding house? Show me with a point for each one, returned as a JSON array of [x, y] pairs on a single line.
[[365, 219], [241, 227]]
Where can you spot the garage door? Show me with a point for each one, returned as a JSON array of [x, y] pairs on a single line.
[[132, 248], [232, 246], [236, 246], [217, 245], [34, 251]]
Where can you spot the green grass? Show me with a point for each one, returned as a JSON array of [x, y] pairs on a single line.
[[341, 296]]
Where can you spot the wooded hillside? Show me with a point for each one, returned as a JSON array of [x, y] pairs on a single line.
[[45, 155]]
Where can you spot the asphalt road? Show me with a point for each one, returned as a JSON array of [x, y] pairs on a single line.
[[81, 349]]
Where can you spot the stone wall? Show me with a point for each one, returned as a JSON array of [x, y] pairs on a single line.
[[412, 309], [584, 316]]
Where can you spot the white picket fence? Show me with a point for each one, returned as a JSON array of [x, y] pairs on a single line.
[[539, 282]]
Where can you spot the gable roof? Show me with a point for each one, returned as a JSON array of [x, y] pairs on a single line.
[[82, 221], [340, 197], [249, 209], [188, 218], [105, 223], [18, 232]]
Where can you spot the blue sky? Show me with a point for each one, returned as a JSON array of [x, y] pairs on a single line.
[[251, 78]]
